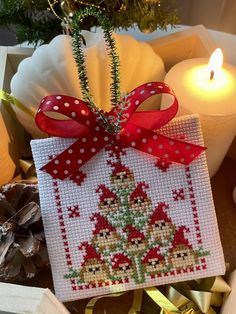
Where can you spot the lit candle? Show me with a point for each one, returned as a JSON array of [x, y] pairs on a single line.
[[209, 90]]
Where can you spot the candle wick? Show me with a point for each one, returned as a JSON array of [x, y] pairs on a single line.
[[212, 75]]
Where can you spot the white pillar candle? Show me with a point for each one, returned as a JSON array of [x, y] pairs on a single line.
[[210, 91]]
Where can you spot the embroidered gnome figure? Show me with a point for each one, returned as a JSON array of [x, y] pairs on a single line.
[[136, 240], [153, 261], [93, 269], [160, 226], [105, 235], [139, 201], [121, 266], [182, 254], [122, 177], [109, 201]]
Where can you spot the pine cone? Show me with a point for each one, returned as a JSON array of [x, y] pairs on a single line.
[[22, 243]]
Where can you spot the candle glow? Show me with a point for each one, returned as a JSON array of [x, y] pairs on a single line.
[[210, 81], [199, 77]]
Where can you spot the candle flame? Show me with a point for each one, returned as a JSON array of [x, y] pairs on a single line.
[[215, 62]]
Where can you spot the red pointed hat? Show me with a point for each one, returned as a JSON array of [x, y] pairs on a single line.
[[118, 259], [179, 238], [105, 193], [159, 214], [89, 251], [139, 192], [133, 233], [101, 223], [118, 167], [153, 253]]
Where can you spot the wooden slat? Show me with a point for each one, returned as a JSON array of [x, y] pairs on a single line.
[[21, 299]]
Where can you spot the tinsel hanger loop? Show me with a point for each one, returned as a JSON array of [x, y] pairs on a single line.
[[77, 44]]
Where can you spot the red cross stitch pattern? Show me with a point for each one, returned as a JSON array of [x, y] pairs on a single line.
[[154, 246], [74, 211], [162, 164], [115, 150], [178, 195]]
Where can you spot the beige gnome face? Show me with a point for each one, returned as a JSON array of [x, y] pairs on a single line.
[[183, 257], [154, 265], [106, 239], [162, 230], [94, 271], [137, 245], [122, 180], [109, 205], [140, 204], [123, 271]]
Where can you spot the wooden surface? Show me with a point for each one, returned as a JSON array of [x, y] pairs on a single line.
[[222, 187]]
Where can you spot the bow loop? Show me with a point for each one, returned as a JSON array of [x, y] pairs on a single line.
[[122, 124], [81, 118]]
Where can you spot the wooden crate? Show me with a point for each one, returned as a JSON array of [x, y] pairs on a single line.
[[11, 133], [31, 300], [194, 42]]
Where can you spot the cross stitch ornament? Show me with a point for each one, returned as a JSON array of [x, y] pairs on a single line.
[[154, 262], [105, 235], [139, 200], [122, 177], [108, 199], [93, 269], [136, 240], [122, 266], [160, 226], [182, 253], [133, 229]]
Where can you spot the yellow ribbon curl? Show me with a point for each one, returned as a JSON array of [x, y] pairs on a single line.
[[27, 166], [7, 98], [194, 297], [28, 172]]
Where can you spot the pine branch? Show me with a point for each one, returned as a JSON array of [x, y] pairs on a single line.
[[32, 20], [24, 15]]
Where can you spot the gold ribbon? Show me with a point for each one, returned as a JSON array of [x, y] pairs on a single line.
[[195, 297], [28, 172], [27, 166], [90, 305]]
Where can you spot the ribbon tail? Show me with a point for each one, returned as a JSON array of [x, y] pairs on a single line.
[[161, 300], [68, 163], [215, 284], [180, 151], [137, 302], [202, 299], [159, 145], [78, 177], [90, 305]]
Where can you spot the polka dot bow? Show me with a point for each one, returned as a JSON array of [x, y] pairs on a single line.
[[136, 131]]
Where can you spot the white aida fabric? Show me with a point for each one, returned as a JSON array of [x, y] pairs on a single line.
[[135, 221]]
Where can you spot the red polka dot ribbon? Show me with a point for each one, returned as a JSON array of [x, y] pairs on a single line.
[[136, 131]]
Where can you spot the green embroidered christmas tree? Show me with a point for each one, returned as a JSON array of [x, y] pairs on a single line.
[[131, 239]]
